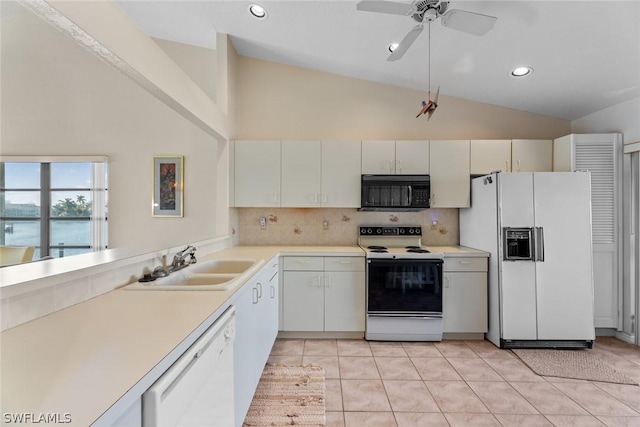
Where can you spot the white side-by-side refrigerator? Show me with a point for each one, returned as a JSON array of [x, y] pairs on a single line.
[[537, 228]]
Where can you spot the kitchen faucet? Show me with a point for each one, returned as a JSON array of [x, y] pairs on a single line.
[[179, 260]]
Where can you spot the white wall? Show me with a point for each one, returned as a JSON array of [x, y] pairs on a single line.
[[284, 102], [623, 118], [58, 99]]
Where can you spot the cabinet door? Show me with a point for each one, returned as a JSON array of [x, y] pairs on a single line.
[[341, 165], [257, 173], [412, 157], [532, 155], [464, 305], [244, 351], [300, 174], [490, 155], [267, 313], [344, 293], [303, 301], [450, 183], [378, 157]]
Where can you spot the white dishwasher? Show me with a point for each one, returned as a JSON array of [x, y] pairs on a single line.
[[197, 390]]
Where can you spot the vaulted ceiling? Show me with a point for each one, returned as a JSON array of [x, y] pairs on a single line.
[[585, 54]]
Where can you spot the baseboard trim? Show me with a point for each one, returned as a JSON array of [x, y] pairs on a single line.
[[320, 335], [623, 336]]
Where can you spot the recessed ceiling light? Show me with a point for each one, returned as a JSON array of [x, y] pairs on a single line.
[[258, 11], [521, 71], [393, 46]]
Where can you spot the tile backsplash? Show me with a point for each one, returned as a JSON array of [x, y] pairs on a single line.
[[296, 226]]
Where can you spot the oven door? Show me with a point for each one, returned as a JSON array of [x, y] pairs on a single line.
[[404, 287]]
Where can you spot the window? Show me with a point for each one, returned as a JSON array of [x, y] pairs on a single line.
[[58, 205]]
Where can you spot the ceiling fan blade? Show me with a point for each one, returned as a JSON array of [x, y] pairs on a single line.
[[468, 22], [406, 43], [383, 6]]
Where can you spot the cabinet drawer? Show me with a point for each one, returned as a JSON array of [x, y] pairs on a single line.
[[350, 263], [297, 263], [465, 264]]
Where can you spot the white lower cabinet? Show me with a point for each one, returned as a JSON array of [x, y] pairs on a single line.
[[256, 331], [465, 306], [323, 294]]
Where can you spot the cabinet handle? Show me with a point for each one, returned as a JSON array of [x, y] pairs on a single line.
[[518, 165], [465, 262], [398, 166], [273, 292], [433, 198], [319, 279], [327, 281], [390, 165], [301, 261], [447, 282], [274, 197], [345, 262], [507, 164], [315, 197], [324, 197], [255, 295], [259, 287]]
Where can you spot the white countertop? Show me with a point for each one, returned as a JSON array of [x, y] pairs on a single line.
[[83, 359]]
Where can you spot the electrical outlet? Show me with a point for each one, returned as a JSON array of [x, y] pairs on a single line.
[[263, 223], [325, 225]]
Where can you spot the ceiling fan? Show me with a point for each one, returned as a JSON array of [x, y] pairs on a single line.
[[428, 11]]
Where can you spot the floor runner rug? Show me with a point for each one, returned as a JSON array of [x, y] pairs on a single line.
[[577, 364], [289, 395]]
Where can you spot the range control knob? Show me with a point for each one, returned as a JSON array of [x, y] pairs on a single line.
[[370, 231], [411, 231], [379, 230], [401, 231], [418, 231], [363, 231]]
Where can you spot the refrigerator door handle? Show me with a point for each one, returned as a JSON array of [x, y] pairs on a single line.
[[538, 244]]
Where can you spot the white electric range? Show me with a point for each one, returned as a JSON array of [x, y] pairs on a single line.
[[404, 285]]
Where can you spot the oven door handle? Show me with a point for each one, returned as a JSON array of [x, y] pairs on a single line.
[[434, 316]]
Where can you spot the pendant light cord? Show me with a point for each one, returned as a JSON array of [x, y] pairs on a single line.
[[429, 59]]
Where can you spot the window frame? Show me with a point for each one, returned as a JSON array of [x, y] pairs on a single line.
[[98, 218]]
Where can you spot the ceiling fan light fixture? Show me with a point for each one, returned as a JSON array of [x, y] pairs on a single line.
[[521, 71], [257, 11], [393, 46]]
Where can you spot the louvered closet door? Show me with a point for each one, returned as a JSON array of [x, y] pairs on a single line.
[[600, 155]]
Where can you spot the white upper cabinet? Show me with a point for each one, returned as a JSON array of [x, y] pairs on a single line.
[[490, 155], [301, 174], [321, 174], [341, 174], [532, 155], [518, 155], [257, 173], [378, 157], [412, 157], [450, 183], [395, 157]]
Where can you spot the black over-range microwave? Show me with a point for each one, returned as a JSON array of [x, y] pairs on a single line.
[[395, 193]]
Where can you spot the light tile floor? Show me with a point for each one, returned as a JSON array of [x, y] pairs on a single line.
[[460, 383]]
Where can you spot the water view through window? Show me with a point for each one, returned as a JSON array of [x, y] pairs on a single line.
[[53, 207]]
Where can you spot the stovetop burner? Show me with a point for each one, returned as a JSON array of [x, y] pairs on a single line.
[[373, 247], [418, 251], [379, 251]]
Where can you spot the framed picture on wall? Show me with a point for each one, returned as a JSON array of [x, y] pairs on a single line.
[[168, 186]]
